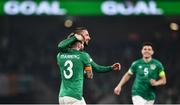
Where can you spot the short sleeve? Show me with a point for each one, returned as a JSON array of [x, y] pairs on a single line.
[[132, 68]]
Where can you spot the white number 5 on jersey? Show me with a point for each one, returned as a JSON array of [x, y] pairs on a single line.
[[68, 73], [146, 71]]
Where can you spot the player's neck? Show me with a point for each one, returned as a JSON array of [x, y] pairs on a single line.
[[147, 59]]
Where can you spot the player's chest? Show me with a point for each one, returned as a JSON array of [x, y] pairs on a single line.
[[147, 69]]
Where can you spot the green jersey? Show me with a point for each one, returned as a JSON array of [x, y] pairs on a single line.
[[144, 72], [72, 63]]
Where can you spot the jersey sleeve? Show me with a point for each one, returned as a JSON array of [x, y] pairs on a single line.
[[100, 68], [161, 70], [132, 69], [63, 45]]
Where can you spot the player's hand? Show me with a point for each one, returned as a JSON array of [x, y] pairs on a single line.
[[89, 74], [116, 66], [153, 82], [117, 90], [79, 37]]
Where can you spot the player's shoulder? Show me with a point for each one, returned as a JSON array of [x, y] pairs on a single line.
[[85, 56], [84, 53], [156, 61]]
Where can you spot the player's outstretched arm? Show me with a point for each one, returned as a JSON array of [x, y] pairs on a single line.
[[100, 68], [124, 79]]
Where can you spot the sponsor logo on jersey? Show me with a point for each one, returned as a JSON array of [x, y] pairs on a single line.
[[153, 66]]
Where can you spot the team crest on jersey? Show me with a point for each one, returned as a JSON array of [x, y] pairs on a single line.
[[140, 67], [153, 66]]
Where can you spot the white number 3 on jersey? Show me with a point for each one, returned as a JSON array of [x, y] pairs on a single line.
[[68, 73]]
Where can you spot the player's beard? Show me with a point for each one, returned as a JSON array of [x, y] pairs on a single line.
[[85, 44], [145, 55]]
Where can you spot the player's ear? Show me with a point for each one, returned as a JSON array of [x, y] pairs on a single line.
[[152, 52]]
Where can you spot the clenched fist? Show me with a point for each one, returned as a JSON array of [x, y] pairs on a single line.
[[116, 66]]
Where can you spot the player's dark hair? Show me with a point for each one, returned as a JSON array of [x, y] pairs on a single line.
[[147, 44]]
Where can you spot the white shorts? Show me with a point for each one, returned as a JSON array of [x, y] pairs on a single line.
[[66, 100], [138, 100]]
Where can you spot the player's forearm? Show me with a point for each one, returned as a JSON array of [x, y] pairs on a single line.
[[125, 78], [100, 68], [161, 81], [63, 45]]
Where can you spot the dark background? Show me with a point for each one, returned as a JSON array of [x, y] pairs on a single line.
[[28, 48]]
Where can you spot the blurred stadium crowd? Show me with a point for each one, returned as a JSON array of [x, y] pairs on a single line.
[[28, 48]]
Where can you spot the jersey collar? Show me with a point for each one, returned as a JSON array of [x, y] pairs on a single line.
[[147, 60]]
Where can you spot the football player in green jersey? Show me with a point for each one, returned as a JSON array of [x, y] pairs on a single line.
[[72, 63], [149, 73]]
